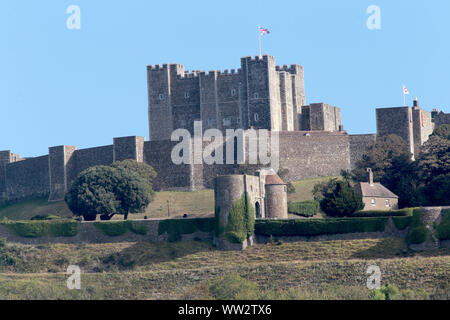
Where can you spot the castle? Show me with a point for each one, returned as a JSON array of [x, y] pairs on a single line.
[[259, 95]]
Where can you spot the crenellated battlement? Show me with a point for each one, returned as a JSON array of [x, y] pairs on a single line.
[[293, 68]]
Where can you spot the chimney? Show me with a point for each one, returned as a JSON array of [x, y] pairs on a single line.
[[370, 176], [416, 102]]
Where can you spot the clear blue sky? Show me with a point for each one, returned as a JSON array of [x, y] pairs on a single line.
[[84, 87]]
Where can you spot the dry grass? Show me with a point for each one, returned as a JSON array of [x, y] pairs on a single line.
[[302, 270]]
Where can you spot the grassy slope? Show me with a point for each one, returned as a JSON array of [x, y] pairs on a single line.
[[198, 203], [170, 270]]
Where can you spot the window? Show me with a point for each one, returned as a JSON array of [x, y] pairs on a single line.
[[226, 121], [256, 117], [256, 95], [161, 96], [210, 121], [373, 202], [233, 92], [387, 202], [186, 95], [238, 120]]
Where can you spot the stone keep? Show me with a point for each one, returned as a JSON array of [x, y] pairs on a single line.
[[259, 95]]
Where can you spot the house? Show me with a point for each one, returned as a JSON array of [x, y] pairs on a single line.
[[375, 196]]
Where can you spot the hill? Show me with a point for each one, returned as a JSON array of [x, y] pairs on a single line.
[[196, 203]]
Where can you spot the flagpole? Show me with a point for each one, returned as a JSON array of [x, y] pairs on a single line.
[[259, 38]]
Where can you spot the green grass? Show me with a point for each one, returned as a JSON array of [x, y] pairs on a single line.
[[195, 204]]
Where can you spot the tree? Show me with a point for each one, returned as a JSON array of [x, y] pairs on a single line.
[[433, 159], [379, 157], [107, 191], [339, 199], [436, 193], [443, 131]]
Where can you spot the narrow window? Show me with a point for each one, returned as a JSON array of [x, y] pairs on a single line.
[[387, 202], [256, 117], [256, 95], [161, 96], [186, 95], [373, 202], [233, 92]]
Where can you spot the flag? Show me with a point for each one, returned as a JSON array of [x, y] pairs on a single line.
[[405, 90], [264, 31]]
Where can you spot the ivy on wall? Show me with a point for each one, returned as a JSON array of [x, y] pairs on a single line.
[[241, 220]]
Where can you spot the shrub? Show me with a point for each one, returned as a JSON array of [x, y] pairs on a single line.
[[233, 287], [305, 209], [115, 229], [64, 229], [419, 232], [443, 229], [401, 223], [2, 242], [319, 227], [392, 292]]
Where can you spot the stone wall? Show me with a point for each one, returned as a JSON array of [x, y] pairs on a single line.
[[398, 121], [314, 155], [27, 178]]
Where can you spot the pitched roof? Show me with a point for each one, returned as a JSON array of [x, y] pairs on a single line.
[[274, 179], [376, 190]]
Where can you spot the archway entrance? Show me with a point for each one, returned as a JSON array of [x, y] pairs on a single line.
[[257, 210]]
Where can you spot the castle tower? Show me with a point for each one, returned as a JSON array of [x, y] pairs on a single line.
[[276, 198]]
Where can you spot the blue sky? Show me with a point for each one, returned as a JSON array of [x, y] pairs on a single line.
[[84, 87]]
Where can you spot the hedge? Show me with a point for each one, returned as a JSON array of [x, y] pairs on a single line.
[[176, 227], [114, 229], [305, 209], [379, 213], [36, 229], [319, 227], [443, 229]]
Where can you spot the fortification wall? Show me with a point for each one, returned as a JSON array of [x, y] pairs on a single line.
[[85, 158], [313, 156], [170, 176], [27, 178]]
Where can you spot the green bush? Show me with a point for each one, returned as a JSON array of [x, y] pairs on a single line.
[[119, 228], [36, 229], [391, 292], [443, 229], [305, 209], [177, 227], [233, 287], [379, 213], [319, 227], [419, 232], [2, 242], [401, 223]]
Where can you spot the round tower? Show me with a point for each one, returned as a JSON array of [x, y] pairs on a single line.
[[276, 198], [227, 190]]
